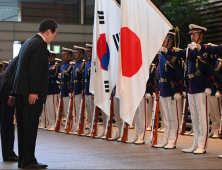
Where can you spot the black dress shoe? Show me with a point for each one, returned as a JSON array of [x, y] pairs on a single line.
[[34, 166], [11, 159]]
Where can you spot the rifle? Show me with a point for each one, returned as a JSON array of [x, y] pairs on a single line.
[[81, 115], [70, 108], [155, 122], [184, 118], [109, 128], [69, 120], [95, 120], [59, 114], [125, 132]]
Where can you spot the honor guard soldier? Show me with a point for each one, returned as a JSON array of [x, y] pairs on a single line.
[[170, 87], [218, 68], [213, 50], [58, 60], [65, 78], [150, 88], [199, 84], [89, 97], [79, 83], [53, 90], [214, 102]]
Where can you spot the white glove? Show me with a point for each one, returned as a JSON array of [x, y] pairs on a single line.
[[163, 49], [192, 45], [207, 91], [147, 95], [69, 95], [184, 94], [177, 96], [218, 94], [154, 95]]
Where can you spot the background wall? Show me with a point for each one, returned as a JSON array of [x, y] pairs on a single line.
[[68, 35]]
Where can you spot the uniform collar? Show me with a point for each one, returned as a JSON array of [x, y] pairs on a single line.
[[78, 61], [52, 63], [67, 61]]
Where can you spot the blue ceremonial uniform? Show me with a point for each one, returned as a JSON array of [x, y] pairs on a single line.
[[200, 75], [150, 88], [214, 50], [167, 76], [65, 78], [54, 70], [218, 82], [79, 76], [87, 77]]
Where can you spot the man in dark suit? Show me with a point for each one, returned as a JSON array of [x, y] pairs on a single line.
[[7, 113], [30, 90]]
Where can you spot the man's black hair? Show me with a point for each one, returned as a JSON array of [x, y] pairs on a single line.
[[48, 24]]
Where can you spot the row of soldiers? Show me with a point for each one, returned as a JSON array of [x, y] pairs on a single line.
[[203, 84], [200, 84], [202, 89]]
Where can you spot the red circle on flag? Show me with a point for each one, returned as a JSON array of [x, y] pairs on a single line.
[[131, 52]]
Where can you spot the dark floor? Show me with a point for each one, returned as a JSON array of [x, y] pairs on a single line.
[[63, 151]]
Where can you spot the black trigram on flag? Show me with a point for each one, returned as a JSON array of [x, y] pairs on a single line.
[[106, 83], [101, 17], [116, 39]]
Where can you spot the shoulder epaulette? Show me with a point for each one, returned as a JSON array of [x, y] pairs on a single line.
[[154, 67]]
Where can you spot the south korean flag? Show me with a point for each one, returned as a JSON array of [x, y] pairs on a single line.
[[106, 38]]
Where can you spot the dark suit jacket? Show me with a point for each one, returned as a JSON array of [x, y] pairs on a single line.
[[6, 79], [31, 75]]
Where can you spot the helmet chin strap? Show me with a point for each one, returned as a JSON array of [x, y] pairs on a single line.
[[66, 58], [78, 58], [199, 37], [168, 42]]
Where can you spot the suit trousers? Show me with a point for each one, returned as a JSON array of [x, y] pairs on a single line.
[[27, 125], [7, 128]]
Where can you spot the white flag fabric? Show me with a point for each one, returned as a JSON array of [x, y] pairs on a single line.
[[143, 29], [106, 37]]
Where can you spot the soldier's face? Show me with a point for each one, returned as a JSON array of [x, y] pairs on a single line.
[[4, 66], [195, 36], [65, 56], [77, 55], [89, 54], [166, 42]]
